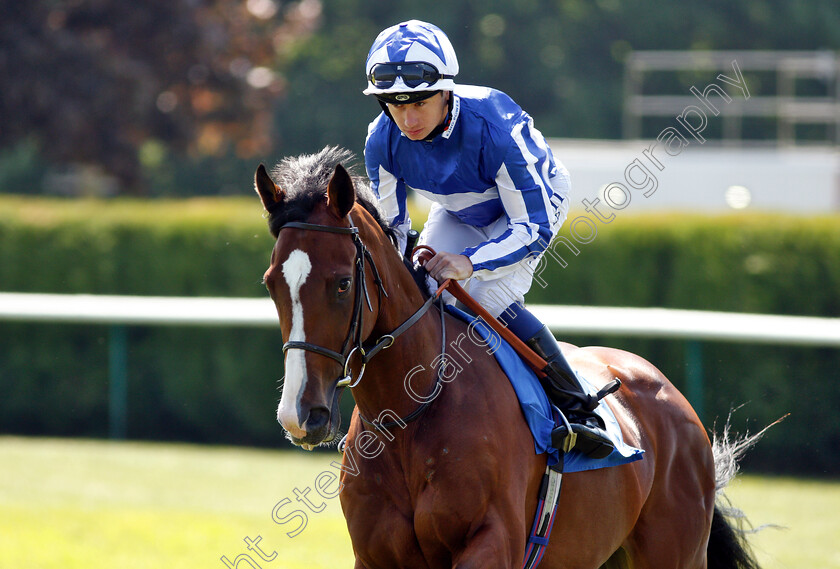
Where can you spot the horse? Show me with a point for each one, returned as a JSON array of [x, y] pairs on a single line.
[[439, 468]]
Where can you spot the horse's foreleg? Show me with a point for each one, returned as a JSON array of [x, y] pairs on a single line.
[[491, 547]]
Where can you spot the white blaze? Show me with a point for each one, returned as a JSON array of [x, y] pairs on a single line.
[[295, 270]]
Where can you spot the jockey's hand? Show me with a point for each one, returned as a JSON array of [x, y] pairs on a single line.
[[449, 266]]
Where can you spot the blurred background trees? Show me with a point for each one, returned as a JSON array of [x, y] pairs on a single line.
[[124, 87], [184, 97]]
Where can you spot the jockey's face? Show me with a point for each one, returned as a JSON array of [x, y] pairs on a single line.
[[417, 120]]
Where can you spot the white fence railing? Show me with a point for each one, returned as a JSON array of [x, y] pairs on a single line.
[[574, 320], [690, 325]]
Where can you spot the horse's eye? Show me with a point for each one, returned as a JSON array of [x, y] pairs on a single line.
[[344, 285]]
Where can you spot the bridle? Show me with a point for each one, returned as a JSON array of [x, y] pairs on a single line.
[[354, 342]]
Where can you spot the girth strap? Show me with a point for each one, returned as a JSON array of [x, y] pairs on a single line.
[[549, 497]]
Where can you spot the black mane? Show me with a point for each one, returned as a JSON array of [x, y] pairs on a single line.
[[304, 181]]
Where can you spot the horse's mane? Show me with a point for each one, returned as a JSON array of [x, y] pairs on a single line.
[[304, 181]]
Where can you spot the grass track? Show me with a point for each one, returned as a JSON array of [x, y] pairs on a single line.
[[807, 513], [95, 504]]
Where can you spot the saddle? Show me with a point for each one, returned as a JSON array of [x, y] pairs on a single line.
[[566, 436]]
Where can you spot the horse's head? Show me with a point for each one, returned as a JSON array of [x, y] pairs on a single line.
[[317, 281]]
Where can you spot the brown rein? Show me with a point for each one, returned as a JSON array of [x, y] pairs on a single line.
[[536, 363]]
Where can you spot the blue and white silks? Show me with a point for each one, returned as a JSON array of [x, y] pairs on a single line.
[[489, 162]]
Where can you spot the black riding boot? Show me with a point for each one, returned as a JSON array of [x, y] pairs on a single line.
[[564, 390]]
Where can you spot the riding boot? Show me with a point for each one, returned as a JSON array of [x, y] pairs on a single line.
[[564, 390]]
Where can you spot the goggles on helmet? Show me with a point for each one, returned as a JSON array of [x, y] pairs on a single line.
[[413, 74]]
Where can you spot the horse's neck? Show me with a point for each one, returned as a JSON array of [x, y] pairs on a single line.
[[402, 378], [398, 378], [404, 298]]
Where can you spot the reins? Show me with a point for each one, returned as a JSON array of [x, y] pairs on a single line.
[[414, 415], [534, 361]]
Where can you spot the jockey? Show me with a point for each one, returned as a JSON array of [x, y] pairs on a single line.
[[498, 196]]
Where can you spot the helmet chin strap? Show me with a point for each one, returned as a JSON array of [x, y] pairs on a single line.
[[385, 108]]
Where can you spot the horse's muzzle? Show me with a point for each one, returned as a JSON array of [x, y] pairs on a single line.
[[320, 425], [317, 425]]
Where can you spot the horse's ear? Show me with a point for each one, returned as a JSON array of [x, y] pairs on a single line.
[[340, 194], [268, 191]]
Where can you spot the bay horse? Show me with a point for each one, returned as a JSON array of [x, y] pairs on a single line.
[[439, 468]]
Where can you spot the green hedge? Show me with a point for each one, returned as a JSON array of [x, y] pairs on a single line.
[[184, 382], [220, 385], [739, 263]]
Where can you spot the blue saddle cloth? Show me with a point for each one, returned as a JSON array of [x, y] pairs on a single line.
[[537, 409]]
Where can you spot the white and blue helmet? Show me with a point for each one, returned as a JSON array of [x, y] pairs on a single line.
[[410, 62]]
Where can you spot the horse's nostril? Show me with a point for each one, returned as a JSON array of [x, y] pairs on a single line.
[[318, 419]]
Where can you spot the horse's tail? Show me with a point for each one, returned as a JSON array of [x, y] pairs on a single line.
[[728, 547]]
